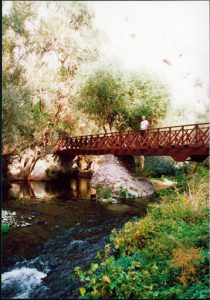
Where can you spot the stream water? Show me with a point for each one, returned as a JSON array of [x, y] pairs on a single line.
[[55, 227]]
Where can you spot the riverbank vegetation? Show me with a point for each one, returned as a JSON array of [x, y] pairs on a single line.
[[163, 255]]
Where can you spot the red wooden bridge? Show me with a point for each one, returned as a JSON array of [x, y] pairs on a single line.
[[179, 142]]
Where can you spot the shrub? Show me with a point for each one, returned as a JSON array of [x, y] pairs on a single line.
[[163, 255], [158, 166], [104, 192]]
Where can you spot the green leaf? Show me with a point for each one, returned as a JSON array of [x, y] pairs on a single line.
[[5, 227], [94, 267], [106, 278], [82, 291]]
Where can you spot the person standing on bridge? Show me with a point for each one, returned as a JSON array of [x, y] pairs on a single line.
[[143, 131], [144, 126]]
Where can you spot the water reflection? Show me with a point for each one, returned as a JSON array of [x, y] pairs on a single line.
[[74, 188], [80, 188]]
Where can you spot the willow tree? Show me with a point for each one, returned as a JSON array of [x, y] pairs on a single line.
[[100, 97], [16, 93], [44, 43], [116, 99], [64, 44]]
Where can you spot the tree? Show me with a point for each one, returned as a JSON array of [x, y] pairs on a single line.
[[116, 99], [41, 56], [62, 38], [16, 93], [101, 97]]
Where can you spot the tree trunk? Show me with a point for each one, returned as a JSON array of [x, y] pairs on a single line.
[[104, 128]]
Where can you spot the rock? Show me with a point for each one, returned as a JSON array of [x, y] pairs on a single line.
[[47, 168], [162, 184], [115, 201], [86, 165], [92, 193], [113, 175], [109, 200], [30, 166], [83, 165], [95, 166]]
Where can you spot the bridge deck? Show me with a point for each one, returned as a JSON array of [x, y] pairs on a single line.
[[180, 142]]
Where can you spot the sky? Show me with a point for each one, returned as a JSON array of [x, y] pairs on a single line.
[[169, 39]]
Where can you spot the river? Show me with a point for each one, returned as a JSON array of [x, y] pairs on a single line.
[[55, 227]]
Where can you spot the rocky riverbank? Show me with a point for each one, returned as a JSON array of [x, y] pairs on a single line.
[[106, 171]]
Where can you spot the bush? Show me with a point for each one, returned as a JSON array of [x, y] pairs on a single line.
[[104, 192], [163, 255], [158, 166]]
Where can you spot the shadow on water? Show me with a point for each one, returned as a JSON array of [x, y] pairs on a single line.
[[55, 227]]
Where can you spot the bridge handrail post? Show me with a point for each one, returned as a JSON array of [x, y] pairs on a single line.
[[182, 139], [170, 136], [196, 133], [91, 137]]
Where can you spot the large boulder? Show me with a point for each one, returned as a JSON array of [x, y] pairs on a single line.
[[114, 176]]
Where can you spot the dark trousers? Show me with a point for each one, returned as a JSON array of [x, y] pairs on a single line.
[[144, 135]]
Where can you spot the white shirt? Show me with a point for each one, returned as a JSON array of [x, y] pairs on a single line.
[[144, 125]]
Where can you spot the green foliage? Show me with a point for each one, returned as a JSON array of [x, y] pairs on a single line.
[[181, 180], [147, 96], [42, 59], [16, 93], [158, 166], [163, 255], [107, 193], [202, 170], [5, 227], [122, 193], [112, 98], [101, 97], [41, 56], [104, 192]]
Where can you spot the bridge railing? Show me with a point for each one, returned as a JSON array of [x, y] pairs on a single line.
[[174, 136]]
